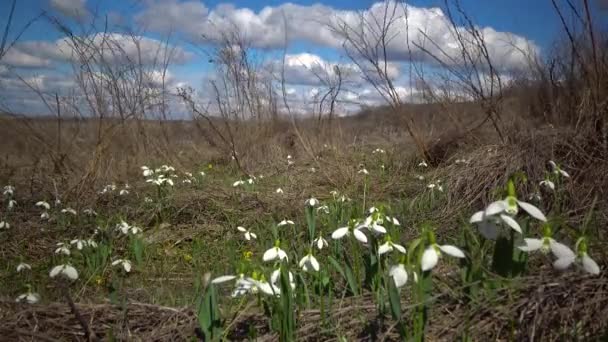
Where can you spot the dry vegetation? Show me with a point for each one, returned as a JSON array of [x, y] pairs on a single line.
[[558, 111]]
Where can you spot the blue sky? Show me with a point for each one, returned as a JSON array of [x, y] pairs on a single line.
[[530, 25]]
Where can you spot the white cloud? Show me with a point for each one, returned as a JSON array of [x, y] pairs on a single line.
[[71, 8], [269, 28], [114, 47]]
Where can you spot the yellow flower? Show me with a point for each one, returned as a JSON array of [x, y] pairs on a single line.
[[99, 280], [187, 257], [210, 166], [247, 255]]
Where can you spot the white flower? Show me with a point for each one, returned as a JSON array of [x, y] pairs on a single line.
[[11, 204], [30, 298], [320, 242], [44, 205], [431, 255], [80, 244], [69, 211], [345, 231], [363, 171], [148, 200], [393, 220], [267, 288], [549, 184], [546, 244], [488, 224], [202, 173], [64, 270], [23, 266], [389, 246], [90, 212], [274, 253], [4, 224], [309, 263], [44, 216], [250, 181], [285, 222], [9, 190], [324, 209], [243, 284], [248, 234], [147, 172], [312, 202], [123, 192], [399, 275], [313, 170], [557, 170], [275, 276], [373, 224], [125, 228], [423, 164], [62, 249], [279, 191], [378, 150], [238, 183], [583, 260], [126, 264], [91, 243]]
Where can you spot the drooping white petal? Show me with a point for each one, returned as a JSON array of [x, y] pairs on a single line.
[[268, 289], [430, 257], [359, 235], [270, 254], [452, 251], [560, 250], [241, 229], [511, 222], [532, 210], [399, 248], [223, 279], [55, 271], [477, 217], [309, 263], [385, 248], [530, 245], [589, 265], [488, 229], [70, 272], [281, 254], [399, 275], [563, 263], [339, 233], [253, 235], [495, 208], [378, 228], [564, 173]]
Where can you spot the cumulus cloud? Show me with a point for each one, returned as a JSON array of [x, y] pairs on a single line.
[[269, 28], [114, 47], [71, 8]]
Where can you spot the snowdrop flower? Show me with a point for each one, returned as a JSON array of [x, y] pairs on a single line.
[[125, 228], [267, 288], [11, 204], [64, 270], [557, 170], [431, 255], [363, 171], [313, 170], [238, 183], [243, 285], [250, 181], [389, 246], [8, 190], [148, 200], [80, 244], [248, 234], [309, 263], [334, 194], [582, 259], [275, 253], [202, 173], [399, 275], [511, 205], [123, 192], [419, 177], [488, 224], [312, 202], [62, 248], [423, 164], [44, 216], [285, 222], [393, 220], [549, 184], [373, 222], [90, 212], [91, 243], [126, 264], [23, 266], [378, 150], [69, 211], [279, 191], [346, 231], [43, 204], [146, 171], [276, 275], [30, 298], [546, 244], [324, 209], [343, 199], [320, 242], [4, 225]]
